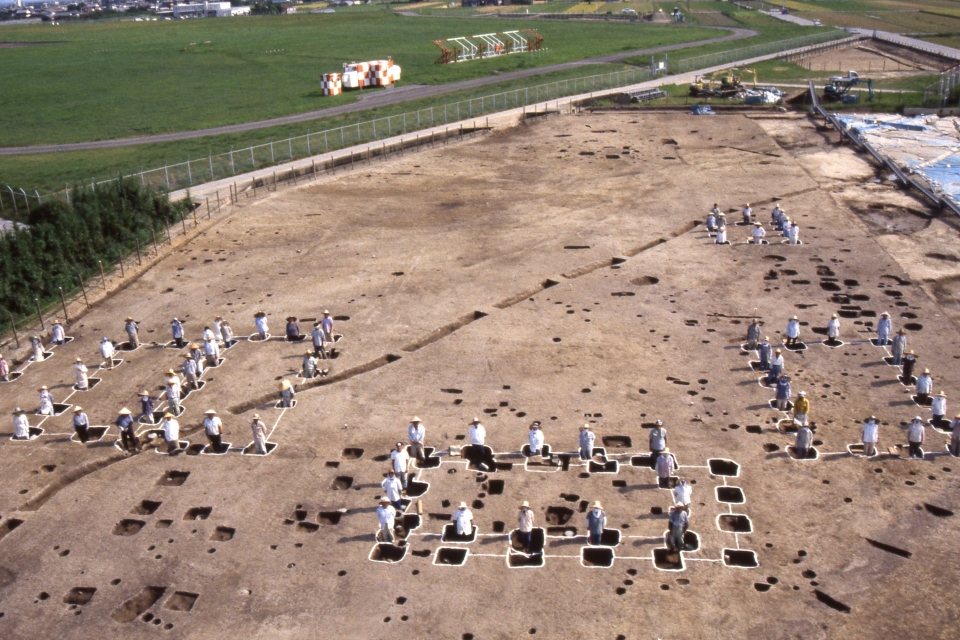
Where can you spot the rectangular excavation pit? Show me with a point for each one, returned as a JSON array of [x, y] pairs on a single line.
[[415, 488], [566, 532], [351, 453], [740, 558], [734, 523], [597, 557], [208, 450], [146, 508], [730, 495], [383, 552], [495, 487], [537, 539], [8, 526], [410, 522], [91, 383], [223, 534], [610, 466], [181, 601], [610, 538], [812, 453], [342, 483], [94, 434], [544, 453], [173, 478], [58, 408], [723, 467], [646, 461], [125, 346], [128, 527], [79, 595], [666, 561], [617, 442], [196, 449], [450, 534], [13, 376], [451, 556], [479, 457], [558, 515], [198, 513], [251, 450], [308, 527], [517, 560], [331, 518], [132, 608]]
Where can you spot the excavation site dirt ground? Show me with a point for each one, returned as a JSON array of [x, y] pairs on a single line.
[[556, 271]]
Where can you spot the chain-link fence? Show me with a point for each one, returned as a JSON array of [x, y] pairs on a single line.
[[755, 51], [939, 93]]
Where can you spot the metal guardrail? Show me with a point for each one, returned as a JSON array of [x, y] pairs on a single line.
[[757, 50]]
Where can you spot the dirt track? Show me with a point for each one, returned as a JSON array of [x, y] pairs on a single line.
[[548, 272]]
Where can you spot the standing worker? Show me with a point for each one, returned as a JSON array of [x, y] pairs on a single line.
[[776, 367], [286, 394], [208, 334], [327, 325], [293, 330], [46, 401], [80, 371], [107, 350], [318, 341], [833, 329], [37, 349], [525, 526], [665, 467], [596, 521], [915, 437], [259, 430], [59, 337], [309, 365], [793, 331], [679, 522], [21, 425], [712, 219], [386, 515], [783, 392], [393, 489], [190, 371], [4, 369], [213, 427], [938, 407], [197, 354], [870, 436], [753, 335], [899, 346], [146, 407], [803, 442], [535, 439], [909, 365], [81, 424], [801, 409], [172, 390], [128, 434], [683, 493], [722, 230], [176, 327], [793, 234], [757, 233], [401, 464], [477, 433], [765, 351], [218, 329], [416, 433], [747, 215], [260, 318], [884, 327], [211, 349], [924, 387], [226, 331], [587, 439], [133, 332], [171, 433], [657, 440], [463, 518]]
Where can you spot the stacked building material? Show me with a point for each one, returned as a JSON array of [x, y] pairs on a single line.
[[375, 73], [331, 84]]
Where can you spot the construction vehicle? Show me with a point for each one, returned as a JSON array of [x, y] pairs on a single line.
[[730, 83], [838, 90]]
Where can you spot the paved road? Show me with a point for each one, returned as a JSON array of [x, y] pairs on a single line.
[[367, 101]]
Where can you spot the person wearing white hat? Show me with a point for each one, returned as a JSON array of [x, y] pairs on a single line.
[[586, 441], [955, 436], [747, 215], [683, 493], [213, 428], [757, 233], [657, 439], [535, 438], [226, 331], [870, 436], [899, 347], [712, 219], [59, 337], [722, 230], [171, 433], [37, 349], [765, 351], [665, 466], [172, 389], [753, 335], [211, 349], [721, 221], [309, 365], [833, 329], [259, 430], [260, 319], [679, 522], [197, 354], [775, 216], [107, 350], [4, 369], [81, 424], [793, 331], [776, 367], [146, 407], [416, 433], [386, 515], [801, 409], [793, 233], [463, 518], [393, 489], [938, 407], [915, 437], [133, 332], [924, 387], [46, 401], [218, 329], [596, 521], [477, 433], [189, 369], [319, 339], [525, 526], [286, 394], [401, 463], [80, 371], [884, 327], [909, 366], [176, 327], [327, 325], [803, 442], [21, 426], [128, 434]]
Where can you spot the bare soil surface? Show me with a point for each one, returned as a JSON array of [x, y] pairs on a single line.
[[550, 272]]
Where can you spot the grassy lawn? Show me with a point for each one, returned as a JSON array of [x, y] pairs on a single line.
[[120, 79]]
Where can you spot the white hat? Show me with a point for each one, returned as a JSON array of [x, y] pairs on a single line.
[[597, 505], [124, 412], [384, 499], [415, 419], [168, 415], [525, 504], [209, 412], [77, 409], [463, 505], [802, 393], [794, 317], [476, 420], [325, 312]]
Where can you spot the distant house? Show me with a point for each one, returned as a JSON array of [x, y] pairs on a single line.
[[288, 8]]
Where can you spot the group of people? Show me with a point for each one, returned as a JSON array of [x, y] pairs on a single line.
[[717, 223]]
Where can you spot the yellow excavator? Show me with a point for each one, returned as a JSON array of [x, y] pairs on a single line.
[[729, 83]]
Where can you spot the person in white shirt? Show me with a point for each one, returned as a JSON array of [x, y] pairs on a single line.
[[683, 493], [197, 354], [525, 526], [213, 427], [133, 332], [386, 515], [477, 433], [37, 349], [833, 329], [747, 213], [172, 390], [176, 329], [915, 435], [665, 467], [794, 233], [171, 433], [259, 429], [190, 371], [416, 432], [319, 339], [924, 387], [586, 441], [46, 401], [260, 318], [793, 331], [327, 324], [938, 407], [758, 233], [393, 489], [21, 426], [212, 350], [218, 328], [884, 327], [535, 438], [309, 365], [401, 463], [227, 333], [80, 371], [107, 350], [208, 334], [722, 234], [59, 337], [463, 518], [870, 436]]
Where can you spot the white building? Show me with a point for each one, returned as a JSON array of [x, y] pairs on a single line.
[[204, 9]]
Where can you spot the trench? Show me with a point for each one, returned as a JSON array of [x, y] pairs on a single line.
[[831, 602], [889, 548], [596, 556], [138, 604], [443, 331]]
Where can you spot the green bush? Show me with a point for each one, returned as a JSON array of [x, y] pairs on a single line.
[[62, 241]]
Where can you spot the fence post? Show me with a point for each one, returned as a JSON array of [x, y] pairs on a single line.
[[233, 170], [169, 235], [208, 205], [189, 172], [155, 247], [218, 201], [39, 315], [166, 175], [102, 278], [253, 160], [272, 160], [210, 159], [14, 326], [290, 147], [184, 223], [122, 274], [195, 223], [309, 153], [64, 303], [139, 260]]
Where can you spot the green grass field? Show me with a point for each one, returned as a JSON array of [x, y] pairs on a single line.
[[121, 79]]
